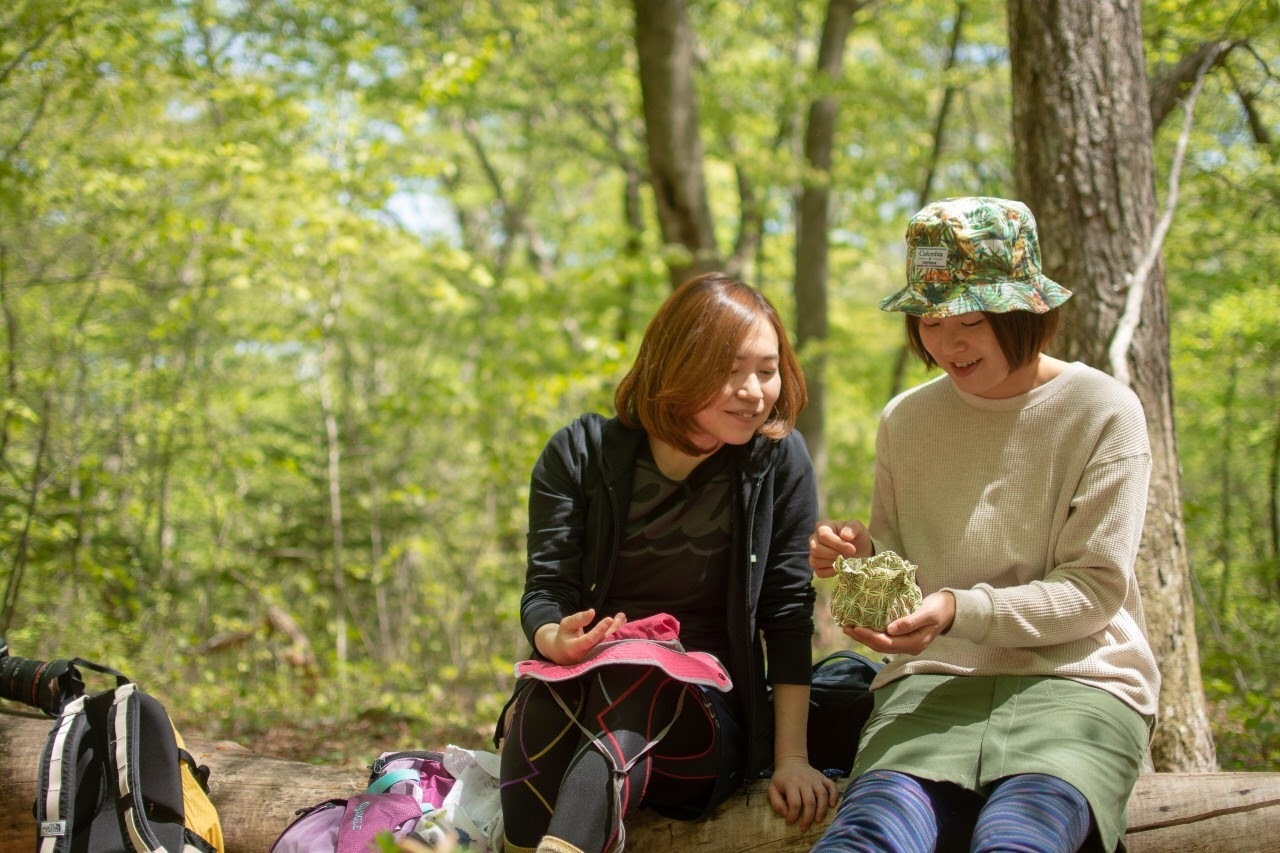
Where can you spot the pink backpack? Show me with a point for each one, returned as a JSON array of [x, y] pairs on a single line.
[[405, 791]]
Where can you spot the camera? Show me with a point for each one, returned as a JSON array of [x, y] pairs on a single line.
[[46, 685]]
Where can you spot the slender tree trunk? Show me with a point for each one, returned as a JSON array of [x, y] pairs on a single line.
[[632, 211], [333, 471], [664, 50], [82, 541], [22, 546], [944, 106], [11, 360], [1225, 487], [1273, 504], [1084, 164], [812, 230], [900, 361]]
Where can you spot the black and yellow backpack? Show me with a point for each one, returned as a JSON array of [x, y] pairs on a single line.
[[115, 777]]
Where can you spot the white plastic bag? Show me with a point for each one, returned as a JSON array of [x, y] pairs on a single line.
[[473, 804]]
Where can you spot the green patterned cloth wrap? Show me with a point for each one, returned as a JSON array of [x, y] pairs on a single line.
[[874, 591]]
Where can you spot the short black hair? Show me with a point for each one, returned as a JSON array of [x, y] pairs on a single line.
[[1022, 335]]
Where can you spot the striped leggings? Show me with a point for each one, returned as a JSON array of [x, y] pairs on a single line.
[[885, 811]]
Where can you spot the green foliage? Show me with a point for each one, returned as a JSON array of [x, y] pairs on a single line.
[[1225, 343], [1240, 683], [294, 293], [1229, 435]]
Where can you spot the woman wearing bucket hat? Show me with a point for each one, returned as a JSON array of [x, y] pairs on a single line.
[[1017, 705], [667, 588]]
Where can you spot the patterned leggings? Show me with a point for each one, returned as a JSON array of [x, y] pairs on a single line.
[[884, 811], [580, 755]]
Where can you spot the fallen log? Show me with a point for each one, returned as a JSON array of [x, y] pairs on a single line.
[[1210, 812], [257, 796]]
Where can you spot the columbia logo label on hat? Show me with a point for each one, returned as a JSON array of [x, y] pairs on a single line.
[[931, 257]]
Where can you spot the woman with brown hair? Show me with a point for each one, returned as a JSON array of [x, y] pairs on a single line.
[[668, 597]]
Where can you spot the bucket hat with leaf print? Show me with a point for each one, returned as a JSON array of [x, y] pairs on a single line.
[[976, 253]]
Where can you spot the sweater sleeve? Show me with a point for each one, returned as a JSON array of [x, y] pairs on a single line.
[[883, 524], [1092, 572]]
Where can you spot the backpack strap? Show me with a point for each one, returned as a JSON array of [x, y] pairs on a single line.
[[386, 780], [121, 678], [383, 783], [200, 772], [149, 782], [56, 791]]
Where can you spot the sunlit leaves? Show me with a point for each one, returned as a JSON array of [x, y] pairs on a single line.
[[228, 227]]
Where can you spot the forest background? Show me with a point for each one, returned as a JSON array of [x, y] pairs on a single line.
[[294, 291]]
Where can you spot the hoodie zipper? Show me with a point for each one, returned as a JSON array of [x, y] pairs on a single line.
[[597, 588], [749, 697]]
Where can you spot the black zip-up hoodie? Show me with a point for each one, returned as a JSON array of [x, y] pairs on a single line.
[[578, 502]]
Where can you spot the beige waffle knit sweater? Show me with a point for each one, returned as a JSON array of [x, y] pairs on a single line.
[[1030, 510]]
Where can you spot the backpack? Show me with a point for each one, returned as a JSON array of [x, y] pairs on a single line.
[[115, 777], [405, 793], [840, 701]]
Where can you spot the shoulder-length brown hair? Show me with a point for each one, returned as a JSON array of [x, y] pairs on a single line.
[[1022, 335], [688, 353]]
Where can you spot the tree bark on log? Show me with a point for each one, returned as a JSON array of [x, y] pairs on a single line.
[[257, 797]]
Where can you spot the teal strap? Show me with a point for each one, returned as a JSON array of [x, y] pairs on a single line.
[[386, 780]]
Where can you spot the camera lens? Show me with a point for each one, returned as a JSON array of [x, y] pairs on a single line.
[[18, 679], [41, 684]]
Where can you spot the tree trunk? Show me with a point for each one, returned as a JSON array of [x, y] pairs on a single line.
[[1226, 522], [1273, 505], [664, 51], [812, 232], [900, 361], [257, 797], [17, 569], [1084, 164]]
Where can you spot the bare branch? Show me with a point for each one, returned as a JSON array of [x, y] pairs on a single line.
[[948, 95], [1118, 352], [1187, 72], [1248, 102]]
